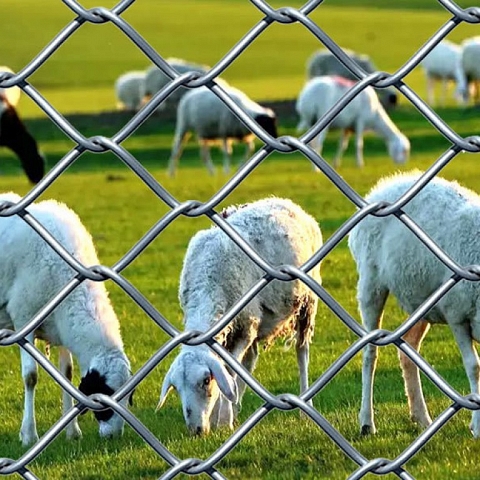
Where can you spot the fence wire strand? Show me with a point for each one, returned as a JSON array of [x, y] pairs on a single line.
[[193, 208]]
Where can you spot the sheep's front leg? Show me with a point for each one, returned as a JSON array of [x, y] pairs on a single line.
[[317, 145], [342, 146], [227, 155], [411, 375], [66, 368], [222, 414], [249, 149], [463, 335], [359, 129], [249, 362], [28, 431], [371, 300], [241, 351], [206, 157], [430, 90], [175, 155]]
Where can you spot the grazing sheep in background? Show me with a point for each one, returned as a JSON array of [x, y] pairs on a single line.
[[471, 66], [391, 260], [216, 273], [323, 62], [11, 94], [155, 80], [364, 112], [15, 136], [130, 90], [85, 324], [202, 112], [444, 63]]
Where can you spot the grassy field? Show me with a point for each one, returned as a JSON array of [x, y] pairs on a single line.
[[118, 209]]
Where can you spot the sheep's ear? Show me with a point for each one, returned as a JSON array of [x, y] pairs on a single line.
[[166, 388], [226, 383]]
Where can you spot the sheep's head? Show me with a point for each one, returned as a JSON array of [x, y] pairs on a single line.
[[268, 122], [399, 149], [106, 375], [200, 378]]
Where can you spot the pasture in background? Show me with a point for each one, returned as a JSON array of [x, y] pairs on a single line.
[[118, 209]]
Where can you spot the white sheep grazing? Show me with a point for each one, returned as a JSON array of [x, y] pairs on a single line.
[[130, 90], [155, 80], [444, 63], [471, 66], [392, 260], [364, 112], [216, 273], [12, 94], [323, 62], [202, 112], [84, 324]]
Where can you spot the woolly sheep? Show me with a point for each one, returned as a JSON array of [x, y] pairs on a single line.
[[216, 273], [471, 66], [130, 90], [155, 80], [11, 94], [391, 260], [444, 63], [15, 136], [323, 62], [364, 112], [84, 324], [202, 112]]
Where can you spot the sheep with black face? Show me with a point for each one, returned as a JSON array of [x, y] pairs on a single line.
[[84, 324]]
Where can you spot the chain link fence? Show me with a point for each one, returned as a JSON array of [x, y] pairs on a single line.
[[285, 144]]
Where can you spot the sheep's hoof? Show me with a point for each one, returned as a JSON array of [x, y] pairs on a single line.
[[368, 430], [28, 439], [74, 433]]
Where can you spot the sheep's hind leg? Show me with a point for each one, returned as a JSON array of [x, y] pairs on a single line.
[[66, 368], [28, 431], [463, 336], [411, 375], [317, 145], [305, 324], [371, 300]]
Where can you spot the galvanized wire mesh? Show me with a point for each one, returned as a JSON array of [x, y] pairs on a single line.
[[192, 208]]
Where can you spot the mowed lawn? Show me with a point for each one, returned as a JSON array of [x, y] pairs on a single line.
[[118, 209]]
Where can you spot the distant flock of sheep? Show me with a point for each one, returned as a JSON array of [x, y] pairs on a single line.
[[199, 111], [389, 258]]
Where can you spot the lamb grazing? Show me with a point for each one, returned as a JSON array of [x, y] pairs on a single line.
[[155, 80], [323, 62], [471, 66], [15, 136], [84, 324], [202, 112], [216, 273], [11, 94], [390, 259], [444, 63], [130, 90], [364, 112]]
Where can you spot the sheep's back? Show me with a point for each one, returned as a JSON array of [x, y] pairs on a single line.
[[386, 249]]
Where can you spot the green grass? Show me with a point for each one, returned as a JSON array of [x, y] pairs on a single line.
[[118, 209]]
